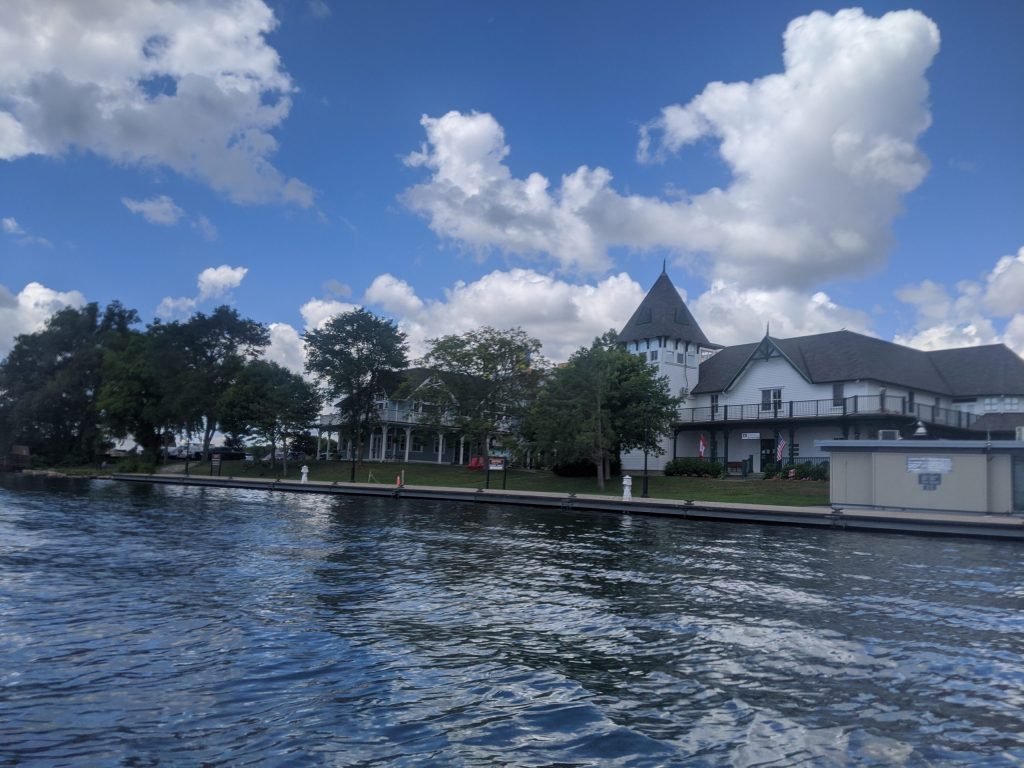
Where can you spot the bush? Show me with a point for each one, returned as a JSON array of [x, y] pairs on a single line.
[[584, 468], [693, 468], [805, 471]]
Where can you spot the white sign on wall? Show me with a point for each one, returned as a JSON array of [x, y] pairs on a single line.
[[750, 435], [919, 465]]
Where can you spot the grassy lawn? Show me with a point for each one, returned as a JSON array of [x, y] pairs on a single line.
[[784, 492]]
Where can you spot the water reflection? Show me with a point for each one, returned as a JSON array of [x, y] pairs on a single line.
[[188, 625]]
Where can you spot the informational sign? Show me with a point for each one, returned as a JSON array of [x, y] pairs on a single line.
[[496, 463], [920, 465], [750, 435], [929, 481]]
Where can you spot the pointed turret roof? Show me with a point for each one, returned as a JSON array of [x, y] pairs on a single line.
[[663, 313]]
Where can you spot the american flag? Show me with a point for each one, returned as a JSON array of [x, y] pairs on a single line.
[[780, 449], [702, 446]]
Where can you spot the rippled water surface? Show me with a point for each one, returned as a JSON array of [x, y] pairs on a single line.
[[148, 626]]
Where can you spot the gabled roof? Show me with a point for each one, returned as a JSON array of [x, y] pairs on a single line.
[[993, 369], [847, 356], [663, 314]]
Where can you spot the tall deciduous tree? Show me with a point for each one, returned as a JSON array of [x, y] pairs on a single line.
[[215, 348], [50, 380], [357, 356], [604, 400], [495, 377], [269, 402]]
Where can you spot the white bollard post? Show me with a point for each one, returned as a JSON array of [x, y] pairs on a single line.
[[305, 473], [627, 488]]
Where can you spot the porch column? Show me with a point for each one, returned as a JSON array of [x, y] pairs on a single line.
[[440, 446], [383, 440], [462, 449], [408, 442], [319, 437], [792, 445], [725, 446]]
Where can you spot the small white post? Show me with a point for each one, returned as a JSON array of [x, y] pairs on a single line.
[[305, 473], [627, 488]]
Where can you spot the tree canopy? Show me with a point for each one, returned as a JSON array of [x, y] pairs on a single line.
[[604, 400], [495, 375], [357, 357], [50, 381], [269, 402]]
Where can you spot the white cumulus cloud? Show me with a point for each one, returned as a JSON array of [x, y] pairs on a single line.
[[985, 311], [28, 310], [155, 210], [563, 315], [191, 85], [730, 314], [11, 227], [212, 283], [820, 154]]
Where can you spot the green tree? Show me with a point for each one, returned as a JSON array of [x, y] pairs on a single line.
[[50, 380], [357, 356], [602, 401], [147, 392], [269, 402], [213, 350], [492, 375]]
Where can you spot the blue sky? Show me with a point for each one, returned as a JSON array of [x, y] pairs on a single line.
[[455, 164]]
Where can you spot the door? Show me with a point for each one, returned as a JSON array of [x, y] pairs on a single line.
[[767, 452]]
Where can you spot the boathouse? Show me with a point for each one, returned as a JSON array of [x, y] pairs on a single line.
[[770, 401]]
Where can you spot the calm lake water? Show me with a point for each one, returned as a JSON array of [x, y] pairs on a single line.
[[144, 626]]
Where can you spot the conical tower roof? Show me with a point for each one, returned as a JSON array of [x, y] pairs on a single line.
[[663, 314]]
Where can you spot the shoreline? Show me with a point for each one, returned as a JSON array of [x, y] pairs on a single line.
[[1005, 527]]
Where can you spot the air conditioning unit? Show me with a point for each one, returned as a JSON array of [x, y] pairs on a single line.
[[1020, 434], [889, 434]]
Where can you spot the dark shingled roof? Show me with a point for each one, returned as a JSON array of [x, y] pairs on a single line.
[[990, 370], [663, 313], [848, 356], [1002, 423]]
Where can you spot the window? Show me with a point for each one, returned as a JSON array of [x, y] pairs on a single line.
[[1011, 404], [771, 399], [838, 395], [653, 355], [714, 405], [991, 404]]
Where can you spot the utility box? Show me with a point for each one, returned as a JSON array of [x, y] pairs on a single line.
[[985, 477]]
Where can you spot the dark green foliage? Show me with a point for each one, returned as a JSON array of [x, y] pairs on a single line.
[[50, 380], [584, 468], [269, 402], [492, 377], [601, 402], [357, 357], [804, 471], [693, 468]]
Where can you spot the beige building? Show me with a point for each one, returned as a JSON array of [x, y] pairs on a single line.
[[986, 477]]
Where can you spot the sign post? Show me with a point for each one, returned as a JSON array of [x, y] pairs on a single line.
[[497, 464]]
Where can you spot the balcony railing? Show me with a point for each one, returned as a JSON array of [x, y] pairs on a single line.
[[855, 405], [396, 415]]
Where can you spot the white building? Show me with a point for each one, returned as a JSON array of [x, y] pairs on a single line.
[[743, 402]]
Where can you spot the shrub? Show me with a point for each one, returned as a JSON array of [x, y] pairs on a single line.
[[583, 468], [693, 468]]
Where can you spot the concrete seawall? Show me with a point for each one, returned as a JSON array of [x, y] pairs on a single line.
[[945, 523]]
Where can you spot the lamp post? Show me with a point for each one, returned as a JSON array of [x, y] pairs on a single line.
[[643, 493]]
